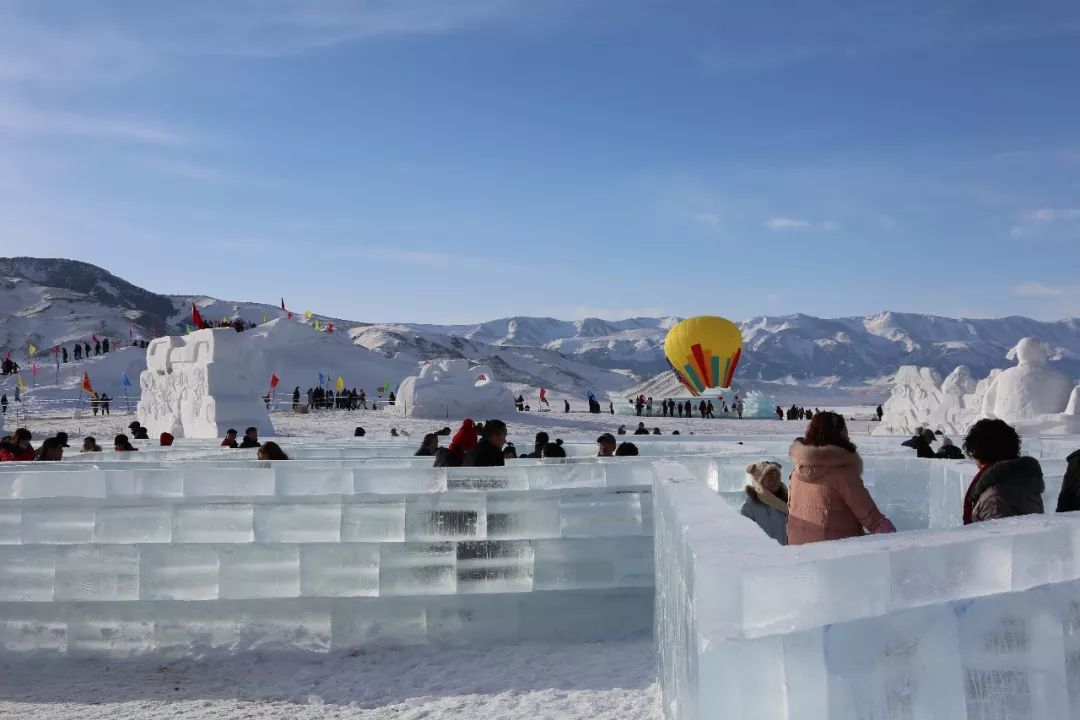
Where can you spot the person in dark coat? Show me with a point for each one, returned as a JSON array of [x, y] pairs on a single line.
[[920, 442], [566, 406], [948, 451], [63, 354], [251, 438], [1069, 498], [230, 439], [489, 450], [880, 413], [428, 446], [641, 429], [542, 439], [1006, 484], [105, 345]]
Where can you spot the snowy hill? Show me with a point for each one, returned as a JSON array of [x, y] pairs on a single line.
[[50, 302]]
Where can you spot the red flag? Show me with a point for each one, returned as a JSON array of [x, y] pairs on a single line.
[[274, 380], [290, 314], [86, 383], [93, 337], [330, 327], [196, 318], [282, 303], [543, 395]]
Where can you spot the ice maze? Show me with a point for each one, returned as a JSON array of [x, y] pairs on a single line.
[[355, 545]]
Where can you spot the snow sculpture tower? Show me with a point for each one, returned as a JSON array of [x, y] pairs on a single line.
[[1031, 389], [199, 385]]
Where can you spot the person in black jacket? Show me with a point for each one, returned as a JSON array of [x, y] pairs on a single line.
[[921, 443], [489, 451], [948, 451], [1069, 498], [542, 439], [251, 438], [641, 429]]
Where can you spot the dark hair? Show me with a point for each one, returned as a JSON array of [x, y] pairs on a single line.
[[991, 441], [828, 428], [270, 450], [554, 450], [626, 449], [493, 427], [542, 438], [359, 432], [121, 440], [230, 431], [22, 434], [251, 429]]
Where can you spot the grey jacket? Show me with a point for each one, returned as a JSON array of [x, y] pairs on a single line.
[[769, 519]]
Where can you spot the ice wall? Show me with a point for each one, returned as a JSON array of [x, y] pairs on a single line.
[[194, 557], [200, 384], [972, 623], [451, 389]]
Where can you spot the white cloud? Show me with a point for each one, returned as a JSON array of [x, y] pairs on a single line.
[[1043, 290], [1046, 219], [785, 223], [22, 120]]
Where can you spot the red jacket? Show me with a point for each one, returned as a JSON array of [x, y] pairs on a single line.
[[14, 454]]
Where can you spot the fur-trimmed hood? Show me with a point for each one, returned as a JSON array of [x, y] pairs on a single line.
[[814, 462], [1023, 473]]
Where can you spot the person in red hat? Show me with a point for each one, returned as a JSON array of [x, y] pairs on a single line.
[[463, 442]]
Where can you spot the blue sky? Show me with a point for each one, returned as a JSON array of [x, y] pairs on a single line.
[[425, 160]]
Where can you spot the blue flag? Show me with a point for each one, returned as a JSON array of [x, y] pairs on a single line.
[[322, 378], [127, 383]]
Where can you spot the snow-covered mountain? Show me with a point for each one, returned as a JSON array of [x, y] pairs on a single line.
[[49, 302]]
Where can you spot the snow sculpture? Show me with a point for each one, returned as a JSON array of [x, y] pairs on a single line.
[[759, 405], [199, 385], [961, 403], [916, 393], [1031, 389], [451, 389]]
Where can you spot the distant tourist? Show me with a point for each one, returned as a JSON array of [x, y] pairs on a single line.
[[271, 451], [230, 439], [461, 444], [166, 439], [920, 442], [17, 448], [641, 429], [1006, 484], [539, 444], [1069, 498], [122, 444], [605, 445], [488, 450], [138, 431], [89, 444], [880, 413], [626, 449], [429, 445], [251, 438], [52, 449], [827, 499], [554, 451], [949, 451], [359, 432]]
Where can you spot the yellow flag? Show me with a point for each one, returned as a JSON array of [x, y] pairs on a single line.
[[32, 349], [264, 319], [307, 314], [21, 383], [340, 383], [318, 326]]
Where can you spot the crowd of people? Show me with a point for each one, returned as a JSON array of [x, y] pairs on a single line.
[[796, 412], [320, 398], [686, 408]]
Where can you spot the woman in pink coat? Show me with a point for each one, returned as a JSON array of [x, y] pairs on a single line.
[[827, 499]]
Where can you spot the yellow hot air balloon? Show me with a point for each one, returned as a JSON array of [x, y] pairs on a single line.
[[704, 352]]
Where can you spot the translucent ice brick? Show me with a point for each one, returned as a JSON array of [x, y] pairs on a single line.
[[373, 521], [58, 484], [417, 568], [445, 516], [10, 524], [298, 522], [552, 476], [292, 481], [260, 571], [592, 563], [144, 483], [497, 566], [225, 523], [97, 572], [487, 478], [27, 573], [399, 480], [525, 516], [178, 572], [110, 629], [57, 525], [228, 482], [122, 525], [34, 627], [339, 570], [601, 514], [374, 623]]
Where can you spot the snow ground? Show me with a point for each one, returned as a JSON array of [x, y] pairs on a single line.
[[522, 426], [615, 681]]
